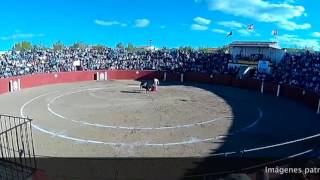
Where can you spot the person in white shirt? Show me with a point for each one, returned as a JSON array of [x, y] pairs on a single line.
[[156, 83]]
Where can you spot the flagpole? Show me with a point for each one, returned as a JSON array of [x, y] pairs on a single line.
[[227, 43]]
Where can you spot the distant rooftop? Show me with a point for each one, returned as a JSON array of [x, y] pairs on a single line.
[[266, 44]]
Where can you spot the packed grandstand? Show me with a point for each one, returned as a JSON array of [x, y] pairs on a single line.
[[297, 69]]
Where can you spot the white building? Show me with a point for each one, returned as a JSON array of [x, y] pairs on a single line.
[[267, 50], [147, 48]]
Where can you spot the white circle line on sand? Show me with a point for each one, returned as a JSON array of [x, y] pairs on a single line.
[[37, 97], [80, 140], [122, 127]]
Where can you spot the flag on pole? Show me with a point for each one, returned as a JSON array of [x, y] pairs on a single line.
[[229, 34], [275, 32], [250, 27]]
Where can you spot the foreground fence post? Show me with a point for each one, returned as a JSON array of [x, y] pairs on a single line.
[[318, 111], [10, 86], [278, 90], [262, 87], [19, 86]]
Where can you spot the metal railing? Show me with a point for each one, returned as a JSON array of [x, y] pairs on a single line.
[[17, 156], [285, 151]]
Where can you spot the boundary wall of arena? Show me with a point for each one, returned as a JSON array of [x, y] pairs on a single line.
[[309, 98]]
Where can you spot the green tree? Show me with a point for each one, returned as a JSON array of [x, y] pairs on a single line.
[[79, 45], [23, 46], [205, 49], [224, 49], [99, 47], [58, 46], [26, 45], [299, 50], [131, 48], [36, 47], [39, 47], [17, 47], [186, 48], [120, 46]]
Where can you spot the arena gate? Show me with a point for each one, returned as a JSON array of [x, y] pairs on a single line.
[[17, 157]]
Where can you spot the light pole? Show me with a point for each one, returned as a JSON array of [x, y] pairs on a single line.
[[150, 44]]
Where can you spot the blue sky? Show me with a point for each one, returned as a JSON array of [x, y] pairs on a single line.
[[170, 23]]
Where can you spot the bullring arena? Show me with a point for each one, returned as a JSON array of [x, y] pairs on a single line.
[[75, 116]]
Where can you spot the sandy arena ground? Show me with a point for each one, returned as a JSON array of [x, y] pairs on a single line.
[[116, 119]]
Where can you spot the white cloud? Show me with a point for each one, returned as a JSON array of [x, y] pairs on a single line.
[[262, 11], [21, 36], [243, 32], [246, 32], [231, 24], [290, 25], [288, 40], [316, 34], [201, 24], [109, 23], [289, 1], [141, 23], [202, 21], [198, 27], [220, 31]]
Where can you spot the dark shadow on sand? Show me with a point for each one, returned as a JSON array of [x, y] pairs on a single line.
[[132, 92], [282, 120]]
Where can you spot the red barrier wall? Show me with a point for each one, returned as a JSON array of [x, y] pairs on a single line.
[[34, 80], [311, 99], [171, 76], [136, 75], [206, 78], [270, 88], [4, 85], [247, 84], [54, 78], [292, 92]]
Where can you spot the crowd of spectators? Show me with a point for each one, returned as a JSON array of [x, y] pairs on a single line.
[[44, 61], [253, 57], [301, 70]]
